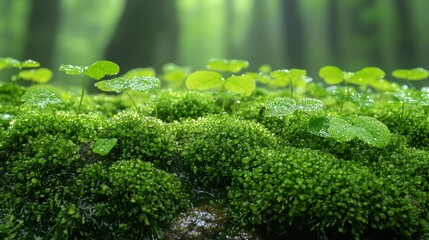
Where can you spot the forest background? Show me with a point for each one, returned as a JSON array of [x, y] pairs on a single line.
[[307, 34]]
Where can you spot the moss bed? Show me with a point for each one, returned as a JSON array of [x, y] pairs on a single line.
[[269, 176]]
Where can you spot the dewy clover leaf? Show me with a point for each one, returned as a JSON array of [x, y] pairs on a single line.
[[122, 84], [41, 97], [41, 75], [283, 106], [104, 145], [97, 70]]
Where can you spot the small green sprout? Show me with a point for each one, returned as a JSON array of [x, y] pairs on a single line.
[[175, 75], [41, 75], [122, 84], [104, 145], [224, 65], [413, 74], [292, 77], [367, 76], [243, 85], [97, 71]]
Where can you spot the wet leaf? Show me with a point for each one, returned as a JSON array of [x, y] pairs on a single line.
[[311, 106], [319, 126], [371, 131], [72, 70], [280, 107], [120, 84], [341, 130], [104, 145], [40, 97]]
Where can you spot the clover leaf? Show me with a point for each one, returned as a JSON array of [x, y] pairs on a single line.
[[204, 80], [243, 85], [413, 74], [40, 75], [224, 65], [40, 97], [104, 145], [331, 74]]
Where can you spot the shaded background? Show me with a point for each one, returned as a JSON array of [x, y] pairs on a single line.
[[305, 34]]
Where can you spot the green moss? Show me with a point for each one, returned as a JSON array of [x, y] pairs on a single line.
[[213, 147], [127, 200], [176, 106], [311, 191], [140, 137]]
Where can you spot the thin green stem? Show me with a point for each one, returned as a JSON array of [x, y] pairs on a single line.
[[81, 96], [134, 103], [291, 87]]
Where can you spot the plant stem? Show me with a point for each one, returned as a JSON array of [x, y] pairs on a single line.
[[81, 95], [135, 105], [291, 87]]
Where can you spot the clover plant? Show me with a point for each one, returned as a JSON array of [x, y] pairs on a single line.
[[39, 75], [97, 71], [414, 74], [292, 77], [175, 75], [224, 65], [41, 97], [122, 84], [103, 145]]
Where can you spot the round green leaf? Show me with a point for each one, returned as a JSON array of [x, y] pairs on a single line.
[[40, 75], [331, 74], [30, 64], [40, 97], [366, 76], [280, 107], [244, 85], [174, 73], [384, 85], [72, 70], [9, 63], [139, 72], [204, 80], [104, 145], [100, 69], [311, 106], [224, 65], [371, 131], [411, 74], [341, 130]]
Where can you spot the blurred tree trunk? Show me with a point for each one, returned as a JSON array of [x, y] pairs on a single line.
[[13, 27], [405, 35], [293, 33], [146, 35], [42, 30]]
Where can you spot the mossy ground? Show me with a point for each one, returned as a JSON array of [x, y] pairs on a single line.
[[269, 175]]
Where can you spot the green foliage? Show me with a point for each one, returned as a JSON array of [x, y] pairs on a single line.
[[103, 146], [97, 70], [140, 72], [40, 97], [204, 80], [413, 74], [140, 137], [179, 105], [311, 191], [224, 65], [282, 106], [175, 75], [213, 147], [40, 75], [129, 199]]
